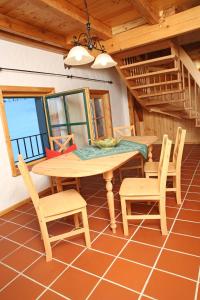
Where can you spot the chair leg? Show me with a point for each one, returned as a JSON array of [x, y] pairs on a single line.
[[178, 188], [120, 175], [51, 184], [128, 205], [76, 221], [86, 227], [163, 219], [124, 216], [142, 166], [78, 184], [47, 244]]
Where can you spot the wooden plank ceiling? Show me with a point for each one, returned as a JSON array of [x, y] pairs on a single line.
[[51, 24]]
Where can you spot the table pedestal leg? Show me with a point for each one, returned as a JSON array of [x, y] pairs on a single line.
[[110, 198], [150, 153]]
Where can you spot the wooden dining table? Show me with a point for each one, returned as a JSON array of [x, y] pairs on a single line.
[[70, 165]]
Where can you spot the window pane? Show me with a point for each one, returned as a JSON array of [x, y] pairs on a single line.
[[98, 107], [27, 127], [100, 127], [56, 110], [58, 131], [75, 107], [80, 134]]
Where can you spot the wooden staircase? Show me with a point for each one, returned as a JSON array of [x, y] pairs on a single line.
[[163, 81]]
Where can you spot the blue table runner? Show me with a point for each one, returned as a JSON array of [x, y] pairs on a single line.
[[91, 152]]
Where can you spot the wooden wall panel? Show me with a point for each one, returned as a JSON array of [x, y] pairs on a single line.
[[156, 124]]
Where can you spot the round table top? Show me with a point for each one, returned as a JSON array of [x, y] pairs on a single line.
[[70, 165]]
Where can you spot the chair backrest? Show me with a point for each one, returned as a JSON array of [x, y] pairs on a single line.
[[165, 137], [128, 130], [60, 143], [178, 147], [28, 182], [163, 166]]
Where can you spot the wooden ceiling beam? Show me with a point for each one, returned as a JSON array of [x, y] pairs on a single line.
[[80, 16], [31, 43], [26, 30], [183, 22], [145, 8]]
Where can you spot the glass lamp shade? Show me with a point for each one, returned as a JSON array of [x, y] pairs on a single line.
[[77, 56], [103, 61]]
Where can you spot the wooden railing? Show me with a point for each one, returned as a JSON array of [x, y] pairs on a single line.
[[170, 79], [191, 83]]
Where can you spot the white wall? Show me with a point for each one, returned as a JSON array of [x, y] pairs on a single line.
[[12, 55]]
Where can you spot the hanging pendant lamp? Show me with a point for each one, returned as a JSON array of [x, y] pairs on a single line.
[[78, 55], [103, 61]]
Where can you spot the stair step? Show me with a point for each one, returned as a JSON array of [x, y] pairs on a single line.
[[154, 84], [173, 70], [152, 103], [160, 94], [154, 61]]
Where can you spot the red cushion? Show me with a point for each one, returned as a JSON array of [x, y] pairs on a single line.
[[51, 153], [70, 149]]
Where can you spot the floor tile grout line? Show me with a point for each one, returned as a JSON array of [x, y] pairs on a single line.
[[20, 227], [188, 235], [192, 200], [151, 228], [70, 265], [197, 286], [132, 261], [19, 272], [195, 222], [125, 287], [25, 226], [28, 277], [102, 277], [163, 246], [20, 246], [24, 245], [99, 234], [186, 209]]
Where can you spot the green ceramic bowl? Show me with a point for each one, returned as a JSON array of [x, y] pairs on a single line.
[[107, 143]]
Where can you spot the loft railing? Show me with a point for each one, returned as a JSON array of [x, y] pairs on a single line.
[[31, 147]]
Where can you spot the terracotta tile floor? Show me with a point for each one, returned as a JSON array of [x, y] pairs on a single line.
[[145, 265]]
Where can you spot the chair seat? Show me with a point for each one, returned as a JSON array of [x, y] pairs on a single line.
[[62, 202], [139, 187], [152, 167]]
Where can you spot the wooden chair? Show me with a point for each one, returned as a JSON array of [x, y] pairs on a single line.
[[60, 144], [123, 131], [54, 207], [148, 189], [151, 168]]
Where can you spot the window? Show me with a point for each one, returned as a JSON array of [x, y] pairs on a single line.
[[101, 114], [68, 113], [24, 122]]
